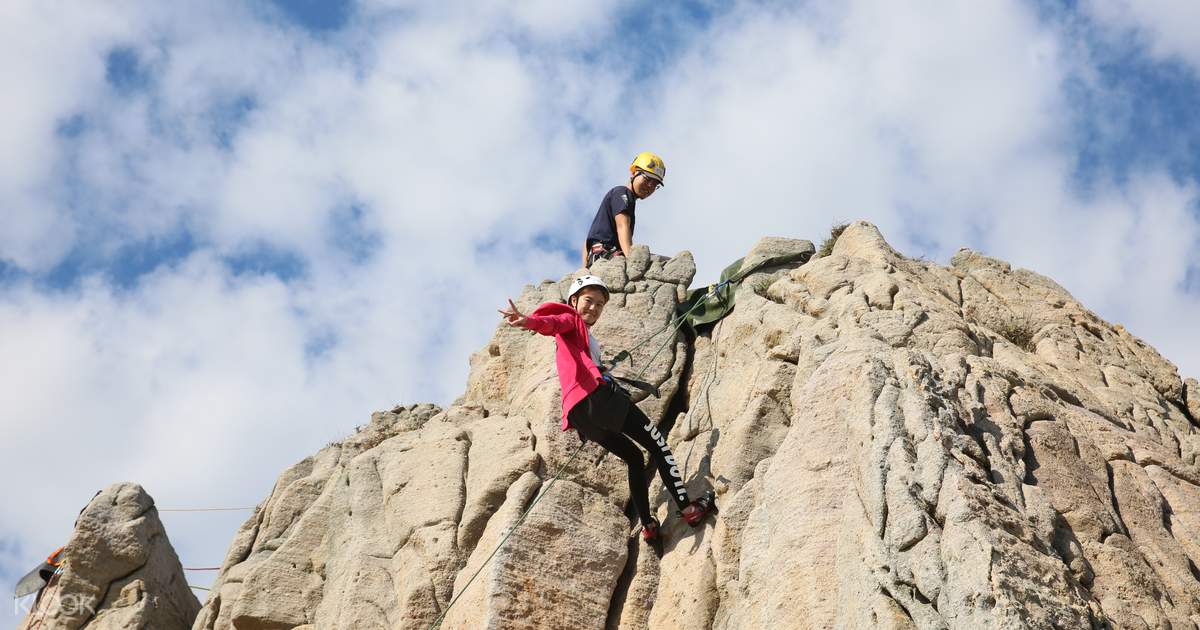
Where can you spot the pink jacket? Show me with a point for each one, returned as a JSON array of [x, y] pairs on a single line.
[[577, 374]]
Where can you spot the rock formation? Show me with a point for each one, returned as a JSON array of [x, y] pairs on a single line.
[[374, 531], [894, 444], [119, 571]]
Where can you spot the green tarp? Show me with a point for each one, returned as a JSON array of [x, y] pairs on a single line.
[[710, 306]]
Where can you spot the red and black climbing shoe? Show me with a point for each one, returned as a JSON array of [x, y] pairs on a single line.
[[650, 531], [695, 512]]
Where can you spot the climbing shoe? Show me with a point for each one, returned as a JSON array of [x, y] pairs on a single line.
[[650, 530], [695, 512]]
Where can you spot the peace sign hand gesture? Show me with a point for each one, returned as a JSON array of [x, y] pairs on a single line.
[[512, 316]]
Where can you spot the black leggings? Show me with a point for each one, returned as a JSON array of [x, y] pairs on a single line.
[[636, 428]]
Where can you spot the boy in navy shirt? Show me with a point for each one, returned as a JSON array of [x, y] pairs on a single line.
[[611, 233]]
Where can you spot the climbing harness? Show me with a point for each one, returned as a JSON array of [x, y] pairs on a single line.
[[642, 386], [621, 356], [602, 251], [680, 319], [606, 408]]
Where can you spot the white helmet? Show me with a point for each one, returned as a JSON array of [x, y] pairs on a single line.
[[586, 281]]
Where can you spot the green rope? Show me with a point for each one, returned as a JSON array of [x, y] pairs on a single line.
[[679, 321], [712, 291]]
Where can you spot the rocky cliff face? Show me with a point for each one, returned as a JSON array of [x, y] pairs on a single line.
[[374, 532], [119, 571], [894, 444]]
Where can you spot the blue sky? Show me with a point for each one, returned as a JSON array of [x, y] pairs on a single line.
[[316, 15], [231, 225]]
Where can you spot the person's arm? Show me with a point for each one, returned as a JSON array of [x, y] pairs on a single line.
[[586, 251], [548, 325], [625, 233]]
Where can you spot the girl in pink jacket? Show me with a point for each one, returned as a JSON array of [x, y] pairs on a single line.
[[597, 408]]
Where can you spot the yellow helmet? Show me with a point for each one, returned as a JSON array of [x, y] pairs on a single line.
[[650, 164]]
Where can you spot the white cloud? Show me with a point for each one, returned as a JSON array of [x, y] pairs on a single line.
[[1167, 27], [876, 112], [45, 83], [539, 21]]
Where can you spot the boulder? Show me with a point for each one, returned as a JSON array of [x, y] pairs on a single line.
[[119, 571]]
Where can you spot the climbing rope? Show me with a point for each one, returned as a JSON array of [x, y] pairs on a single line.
[[438, 622], [43, 602], [235, 509], [201, 568], [679, 320], [712, 290]]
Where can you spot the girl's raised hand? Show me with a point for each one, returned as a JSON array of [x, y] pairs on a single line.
[[512, 316]]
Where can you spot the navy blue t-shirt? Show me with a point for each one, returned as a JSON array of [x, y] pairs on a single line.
[[604, 227]]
